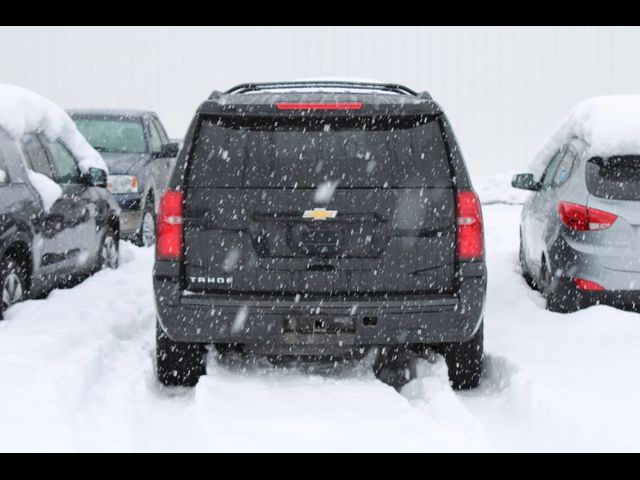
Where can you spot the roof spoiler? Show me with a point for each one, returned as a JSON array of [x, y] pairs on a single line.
[[382, 87]]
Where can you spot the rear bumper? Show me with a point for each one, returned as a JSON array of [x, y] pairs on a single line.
[[254, 320], [577, 259], [623, 299]]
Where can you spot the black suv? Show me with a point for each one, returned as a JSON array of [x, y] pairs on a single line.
[[48, 246], [317, 220]]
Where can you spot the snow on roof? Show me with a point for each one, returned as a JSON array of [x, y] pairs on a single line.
[[22, 111], [608, 125]]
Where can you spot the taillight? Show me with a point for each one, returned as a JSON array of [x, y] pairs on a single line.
[[588, 285], [169, 241], [320, 106], [585, 219], [470, 227]]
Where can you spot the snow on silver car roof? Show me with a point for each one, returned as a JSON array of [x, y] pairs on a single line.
[[608, 125]]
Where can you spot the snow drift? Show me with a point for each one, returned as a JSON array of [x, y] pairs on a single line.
[[608, 125], [78, 374], [22, 111]]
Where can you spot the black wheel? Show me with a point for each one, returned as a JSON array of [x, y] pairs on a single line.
[[146, 236], [526, 273], [12, 282], [559, 299], [109, 254], [395, 366], [464, 361], [179, 364]]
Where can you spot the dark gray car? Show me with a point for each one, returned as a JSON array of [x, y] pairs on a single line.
[[42, 247], [580, 231], [140, 157]]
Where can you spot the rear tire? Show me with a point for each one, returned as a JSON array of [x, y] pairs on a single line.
[[146, 236], [13, 283], [109, 253], [464, 361], [559, 300], [395, 366], [179, 364], [526, 273]]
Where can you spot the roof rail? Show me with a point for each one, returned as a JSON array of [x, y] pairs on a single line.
[[386, 87]]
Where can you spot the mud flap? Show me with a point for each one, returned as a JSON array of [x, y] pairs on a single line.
[[396, 366]]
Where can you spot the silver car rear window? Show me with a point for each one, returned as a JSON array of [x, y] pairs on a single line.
[[614, 178]]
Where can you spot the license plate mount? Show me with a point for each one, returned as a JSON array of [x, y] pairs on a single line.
[[319, 325]]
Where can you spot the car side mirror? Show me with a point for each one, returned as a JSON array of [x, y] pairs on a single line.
[[4, 178], [96, 177], [526, 181], [169, 150]]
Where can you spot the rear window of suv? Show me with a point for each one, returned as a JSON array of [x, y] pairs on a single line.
[[373, 152], [615, 178]]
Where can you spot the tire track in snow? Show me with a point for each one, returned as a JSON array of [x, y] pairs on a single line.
[[55, 351], [257, 407], [95, 366], [78, 374]]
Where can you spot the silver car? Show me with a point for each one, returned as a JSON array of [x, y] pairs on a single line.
[[580, 230]]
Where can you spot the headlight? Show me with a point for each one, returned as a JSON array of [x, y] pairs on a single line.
[[122, 184]]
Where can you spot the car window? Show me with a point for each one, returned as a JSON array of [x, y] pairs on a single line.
[[65, 165], [113, 135], [156, 139], [614, 178], [163, 134], [552, 168], [36, 156], [565, 169], [4, 173], [391, 152]]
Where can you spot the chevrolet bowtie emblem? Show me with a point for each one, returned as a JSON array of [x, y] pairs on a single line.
[[318, 214]]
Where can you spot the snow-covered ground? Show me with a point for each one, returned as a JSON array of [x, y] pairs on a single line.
[[77, 374]]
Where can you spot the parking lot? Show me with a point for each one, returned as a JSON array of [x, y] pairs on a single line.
[[84, 379]]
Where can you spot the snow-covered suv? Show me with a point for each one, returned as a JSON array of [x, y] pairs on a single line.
[[320, 219]]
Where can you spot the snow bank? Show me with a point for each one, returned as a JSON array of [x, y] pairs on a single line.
[[609, 125], [78, 374], [22, 111], [497, 189], [48, 190]]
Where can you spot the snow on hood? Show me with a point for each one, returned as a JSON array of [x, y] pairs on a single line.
[[22, 111], [608, 125]]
